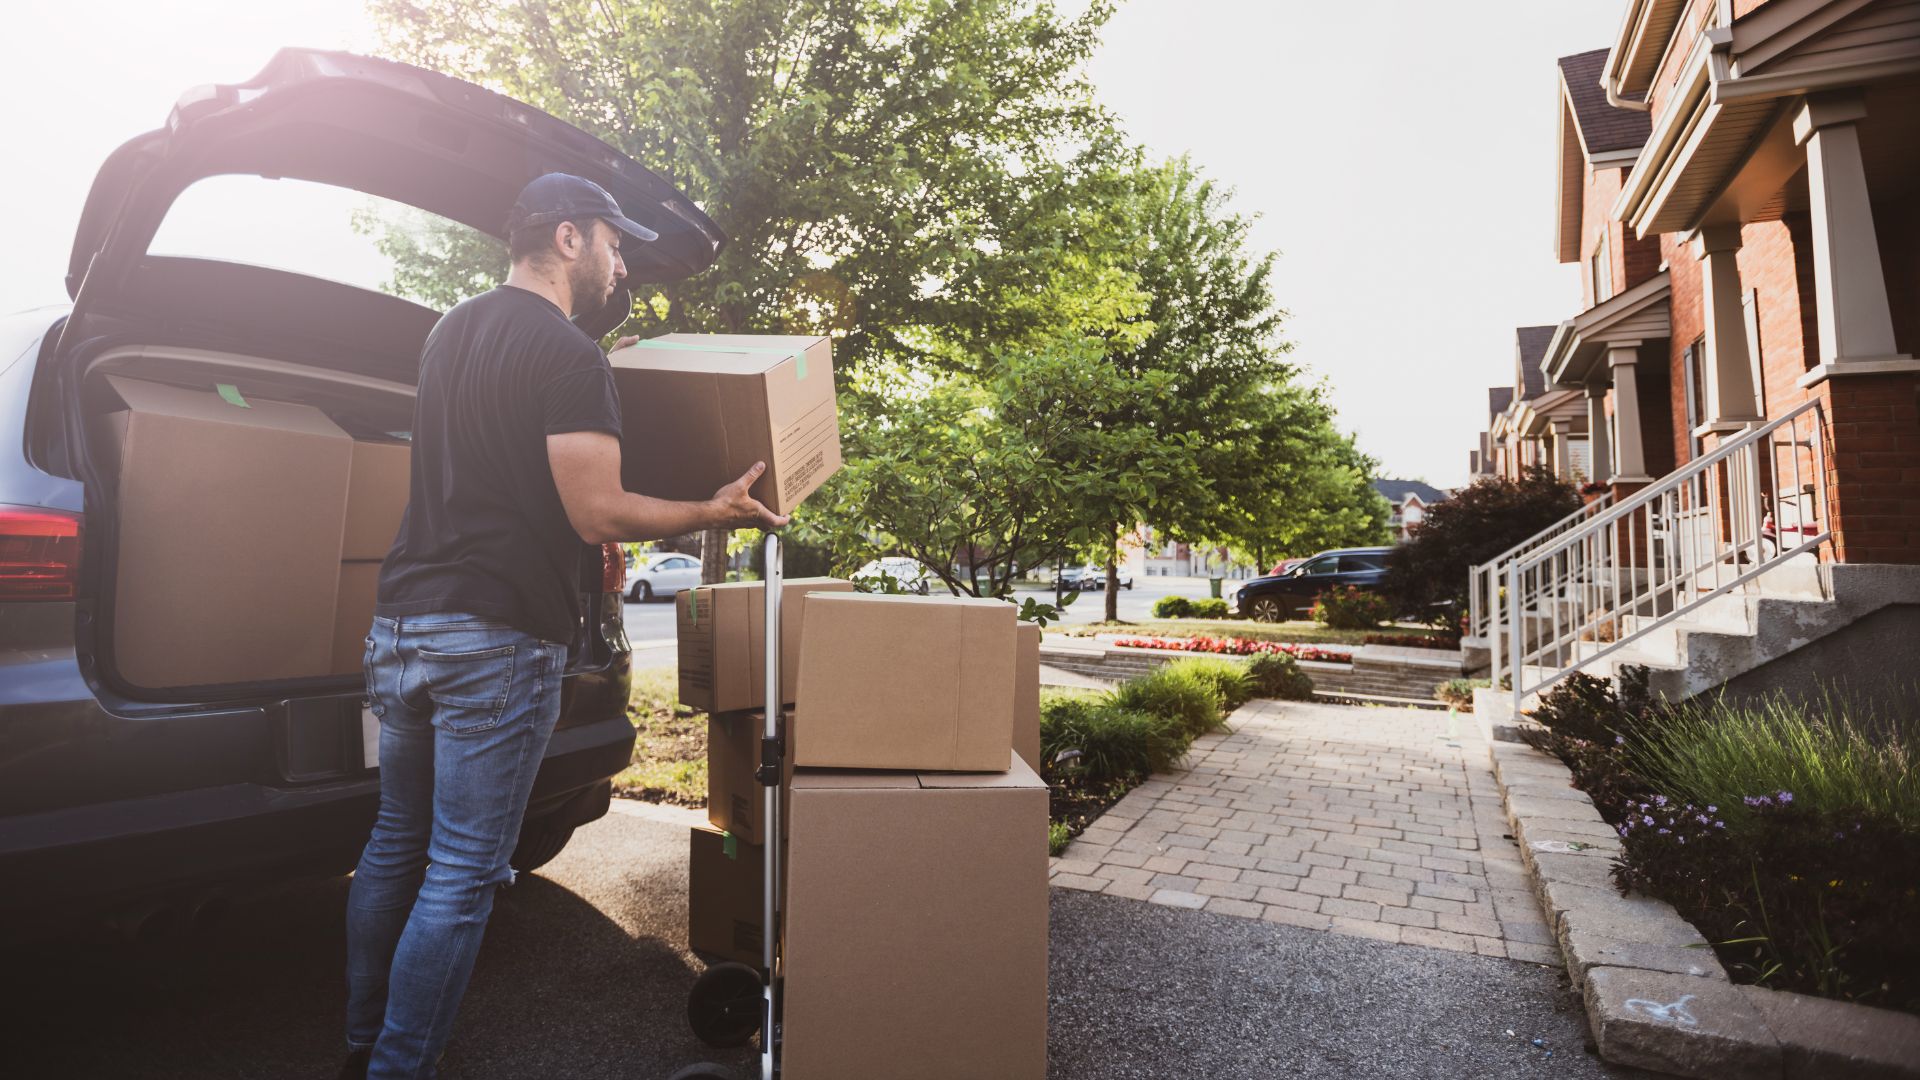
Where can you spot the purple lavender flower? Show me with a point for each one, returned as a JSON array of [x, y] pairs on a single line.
[[1619, 740], [1713, 809], [1647, 818], [1666, 832], [1719, 824], [1683, 839], [1785, 797], [1660, 800]]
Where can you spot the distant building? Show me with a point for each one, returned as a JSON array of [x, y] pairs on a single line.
[[1410, 500]]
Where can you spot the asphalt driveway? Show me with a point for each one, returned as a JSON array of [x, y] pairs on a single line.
[[584, 975]]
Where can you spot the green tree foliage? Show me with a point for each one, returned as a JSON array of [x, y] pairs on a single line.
[[1039, 338], [1428, 573]]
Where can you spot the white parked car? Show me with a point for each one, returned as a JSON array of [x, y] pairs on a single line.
[[911, 576], [1092, 578], [661, 575]]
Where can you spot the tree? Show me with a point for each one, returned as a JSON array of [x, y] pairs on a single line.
[[863, 156], [1428, 572]]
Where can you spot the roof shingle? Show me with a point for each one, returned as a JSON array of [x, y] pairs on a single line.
[[1533, 342], [1498, 398], [1396, 491], [1602, 127]]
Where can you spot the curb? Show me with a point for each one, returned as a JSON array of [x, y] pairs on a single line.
[[1656, 995]]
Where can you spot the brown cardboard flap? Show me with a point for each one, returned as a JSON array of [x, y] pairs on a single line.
[[1018, 775], [698, 410], [722, 641], [1026, 694], [230, 520], [942, 700], [915, 942], [853, 779], [376, 498]]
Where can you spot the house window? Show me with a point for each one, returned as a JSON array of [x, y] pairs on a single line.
[[1602, 270]]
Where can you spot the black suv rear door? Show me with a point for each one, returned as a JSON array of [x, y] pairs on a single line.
[[388, 129]]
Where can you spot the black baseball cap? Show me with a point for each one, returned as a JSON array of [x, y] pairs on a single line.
[[558, 196]]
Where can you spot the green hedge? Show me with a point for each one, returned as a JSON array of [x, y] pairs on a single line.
[[1179, 607]]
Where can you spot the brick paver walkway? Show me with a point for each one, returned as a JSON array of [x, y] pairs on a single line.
[[1363, 821]]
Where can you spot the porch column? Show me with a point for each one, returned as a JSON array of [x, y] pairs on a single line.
[[1630, 457], [1562, 463], [1599, 452], [1849, 288], [1731, 401]]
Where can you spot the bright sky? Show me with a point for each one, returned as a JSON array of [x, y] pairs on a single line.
[[1400, 154]]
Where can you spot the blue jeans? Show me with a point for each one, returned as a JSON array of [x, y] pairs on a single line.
[[466, 705]]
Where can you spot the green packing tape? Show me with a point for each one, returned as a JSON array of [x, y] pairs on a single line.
[[231, 394], [693, 605], [799, 355], [730, 845]]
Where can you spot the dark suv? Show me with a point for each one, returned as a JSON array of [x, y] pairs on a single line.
[[1279, 597], [118, 797]]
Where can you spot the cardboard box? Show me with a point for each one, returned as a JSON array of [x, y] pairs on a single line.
[[906, 682], [376, 498], [721, 630], [353, 614], [916, 926], [725, 905], [1026, 695], [736, 802], [229, 528], [699, 409]]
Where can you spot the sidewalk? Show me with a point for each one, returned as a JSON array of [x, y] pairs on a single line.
[[1368, 822]]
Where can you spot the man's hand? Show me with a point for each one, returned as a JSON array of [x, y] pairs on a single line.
[[624, 342], [736, 509]]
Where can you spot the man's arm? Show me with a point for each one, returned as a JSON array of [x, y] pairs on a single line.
[[586, 470]]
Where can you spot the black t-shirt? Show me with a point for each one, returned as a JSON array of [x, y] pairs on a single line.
[[484, 531]]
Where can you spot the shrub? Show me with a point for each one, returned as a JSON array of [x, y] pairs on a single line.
[[1792, 895], [1115, 743], [1229, 679], [1427, 574], [1212, 607], [1833, 756], [1175, 691], [1587, 708], [1275, 675], [1172, 607], [1459, 692], [1351, 609]]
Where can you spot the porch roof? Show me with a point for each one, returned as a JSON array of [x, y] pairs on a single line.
[[1577, 355]]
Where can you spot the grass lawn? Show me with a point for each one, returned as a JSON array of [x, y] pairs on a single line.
[[670, 745], [1298, 632]]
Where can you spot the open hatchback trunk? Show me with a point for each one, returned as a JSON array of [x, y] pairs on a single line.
[[245, 430]]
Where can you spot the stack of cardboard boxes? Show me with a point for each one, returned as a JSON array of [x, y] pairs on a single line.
[[227, 570], [913, 933]]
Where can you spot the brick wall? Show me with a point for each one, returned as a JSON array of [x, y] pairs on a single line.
[[1873, 468]]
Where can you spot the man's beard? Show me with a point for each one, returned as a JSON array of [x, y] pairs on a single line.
[[591, 288]]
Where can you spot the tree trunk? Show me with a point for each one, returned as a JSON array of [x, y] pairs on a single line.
[[713, 556], [1113, 576]]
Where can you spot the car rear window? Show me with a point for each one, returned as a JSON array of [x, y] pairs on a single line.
[[332, 233]]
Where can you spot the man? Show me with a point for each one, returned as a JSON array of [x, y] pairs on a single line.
[[516, 476]]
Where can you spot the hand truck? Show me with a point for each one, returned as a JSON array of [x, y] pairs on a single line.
[[730, 1002]]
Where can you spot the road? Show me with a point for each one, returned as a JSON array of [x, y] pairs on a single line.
[[584, 974], [650, 625]]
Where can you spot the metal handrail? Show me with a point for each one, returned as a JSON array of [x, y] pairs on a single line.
[[1696, 534], [1481, 618]]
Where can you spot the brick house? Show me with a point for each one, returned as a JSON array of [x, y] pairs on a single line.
[[1532, 423], [1736, 181]]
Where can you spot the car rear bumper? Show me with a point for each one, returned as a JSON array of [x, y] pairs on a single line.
[[99, 853]]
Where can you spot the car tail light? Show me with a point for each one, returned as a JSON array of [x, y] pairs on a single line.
[[39, 554], [613, 568]]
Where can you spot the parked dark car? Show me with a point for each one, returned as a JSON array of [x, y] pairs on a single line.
[[119, 799], [1278, 597]]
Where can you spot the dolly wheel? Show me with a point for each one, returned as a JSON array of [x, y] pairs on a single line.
[[705, 1072], [724, 1007]]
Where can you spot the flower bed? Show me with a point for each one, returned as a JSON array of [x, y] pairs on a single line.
[[1788, 833], [1444, 642], [1237, 647]]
